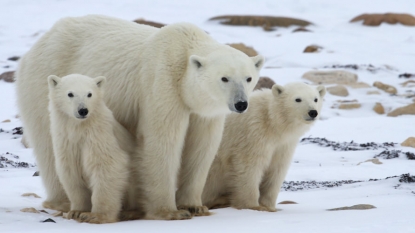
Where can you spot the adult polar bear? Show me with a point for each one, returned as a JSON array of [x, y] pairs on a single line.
[[171, 87]]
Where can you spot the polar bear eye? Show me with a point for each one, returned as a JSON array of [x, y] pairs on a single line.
[[225, 80], [89, 95], [70, 95], [249, 79], [316, 100], [298, 100]]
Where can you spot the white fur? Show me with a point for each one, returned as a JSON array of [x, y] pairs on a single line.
[[90, 161], [163, 84], [257, 147]]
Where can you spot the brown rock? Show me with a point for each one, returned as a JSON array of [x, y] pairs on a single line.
[[266, 22], [264, 82], [390, 18], [409, 142], [355, 207], [30, 195], [407, 110], [379, 109], [149, 23], [30, 210], [373, 93], [8, 76], [330, 77], [6, 121], [287, 202], [347, 106], [385, 87], [245, 49], [338, 90], [359, 85], [301, 29], [312, 49]]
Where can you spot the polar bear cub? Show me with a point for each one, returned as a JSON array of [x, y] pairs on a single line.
[[87, 143], [257, 147]]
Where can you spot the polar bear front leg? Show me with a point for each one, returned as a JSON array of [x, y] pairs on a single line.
[[202, 142], [160, 161], [70, 174], [247, 169], [275, 175]]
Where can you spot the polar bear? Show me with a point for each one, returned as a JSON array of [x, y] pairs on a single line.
[[90, 147], [257, 147], [170, 87]]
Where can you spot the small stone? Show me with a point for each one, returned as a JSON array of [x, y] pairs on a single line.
[[406, 75], [312, 49], [354, 207], [8, 76], [348, 106], [44, 211], [379, 109], [264, 82], [409, 142], [373, 93], [30, 210], [30, 195], [301, 29], [49, 220], [36, 173], [287, 202], [149, 23], [6, 121], [14, 58], [385, 87], [338, 90], [407, 110], [330, 77], [245, 49], [359, 85]]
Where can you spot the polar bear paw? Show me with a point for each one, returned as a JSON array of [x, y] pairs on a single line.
[[131, 215], [263, 208], [170, 215], [59, 206], [97, 218], [196, 210]]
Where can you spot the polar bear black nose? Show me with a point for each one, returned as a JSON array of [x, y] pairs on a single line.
[[83, 111], [313, 113], [241, 106]]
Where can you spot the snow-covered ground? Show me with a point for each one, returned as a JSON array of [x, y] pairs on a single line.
[[388, 47]]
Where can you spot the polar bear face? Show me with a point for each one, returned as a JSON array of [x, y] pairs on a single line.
[[75, 95], [299, 101], [221, 82]]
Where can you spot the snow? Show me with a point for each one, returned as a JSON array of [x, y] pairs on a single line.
[[391, 48]]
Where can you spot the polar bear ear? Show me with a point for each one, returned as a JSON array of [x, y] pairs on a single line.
[[100, 80], [53, 81], [321, 90], [277, 90], [197, 61], [258, 61]]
